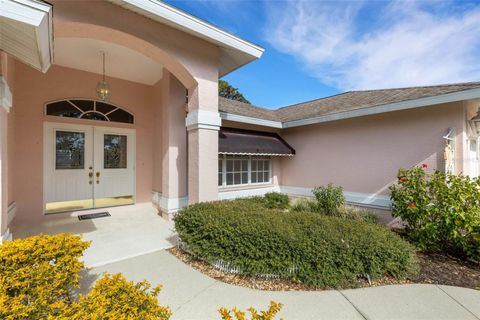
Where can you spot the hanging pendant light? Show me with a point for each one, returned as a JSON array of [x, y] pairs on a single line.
[[103, 88]]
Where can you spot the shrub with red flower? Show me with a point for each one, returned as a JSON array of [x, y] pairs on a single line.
[[441, 211]]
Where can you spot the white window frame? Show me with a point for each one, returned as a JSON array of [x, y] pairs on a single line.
[[223, 158]]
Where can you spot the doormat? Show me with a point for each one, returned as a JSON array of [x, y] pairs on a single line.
[[93, 215]]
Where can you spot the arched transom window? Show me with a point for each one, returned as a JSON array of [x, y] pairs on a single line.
[[88, 109]]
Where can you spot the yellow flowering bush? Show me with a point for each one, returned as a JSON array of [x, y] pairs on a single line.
[[38, 275], [254, 315], [113, 297]]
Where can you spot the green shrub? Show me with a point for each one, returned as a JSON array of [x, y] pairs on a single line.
[[329, 198], [312, 248], [275, 200], [304, 204], [345, 211], [354, 213], [442, 211]]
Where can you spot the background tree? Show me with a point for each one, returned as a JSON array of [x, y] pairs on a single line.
[[226, 90]]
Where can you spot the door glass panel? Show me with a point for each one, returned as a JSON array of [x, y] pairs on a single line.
[[69, 150], [114, 151]]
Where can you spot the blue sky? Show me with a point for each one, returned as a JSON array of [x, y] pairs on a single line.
[[320, 48]]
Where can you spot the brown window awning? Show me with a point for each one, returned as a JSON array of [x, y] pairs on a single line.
[[248, 142]]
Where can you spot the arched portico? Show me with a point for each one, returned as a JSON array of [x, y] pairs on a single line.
[[169, 159], [164, 66]]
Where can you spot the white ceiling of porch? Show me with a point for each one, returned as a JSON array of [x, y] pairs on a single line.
[[120, 62]]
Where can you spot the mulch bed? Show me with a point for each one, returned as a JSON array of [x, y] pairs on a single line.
[[435, 269], [440, 269]]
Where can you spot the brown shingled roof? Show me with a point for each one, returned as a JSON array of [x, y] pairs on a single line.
[[245, 109], [347, 101]]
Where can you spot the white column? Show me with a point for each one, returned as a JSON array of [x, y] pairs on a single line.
[[202, 129]]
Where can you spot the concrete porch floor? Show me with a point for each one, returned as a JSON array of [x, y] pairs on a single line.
[[130, 231]]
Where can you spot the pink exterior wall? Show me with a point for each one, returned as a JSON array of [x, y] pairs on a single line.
[[59, 83], [170, 152], [102, 20], [174, 142], [7, 71], [363, 154], [157, 137], [3, 173]]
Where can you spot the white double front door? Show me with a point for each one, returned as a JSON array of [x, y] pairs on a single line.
[[88, 167]]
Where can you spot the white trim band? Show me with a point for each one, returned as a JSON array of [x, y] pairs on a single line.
[[257, 154], [356, 198], [169, 205], [163, 12], [226, 194], [6, 98], [201, 119], [250, 120], [6, 236], [31, 41]]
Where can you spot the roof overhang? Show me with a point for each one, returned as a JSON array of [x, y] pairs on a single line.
[[26, 31], [249, 142], [390, 107], [234, 51]]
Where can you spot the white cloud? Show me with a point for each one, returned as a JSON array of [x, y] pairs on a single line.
[[403, 43]]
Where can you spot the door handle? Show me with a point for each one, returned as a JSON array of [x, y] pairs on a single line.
[[90, 177], [98, 177]]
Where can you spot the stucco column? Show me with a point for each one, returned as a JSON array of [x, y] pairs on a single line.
[[203, 124], [174, 145], [5, 104]]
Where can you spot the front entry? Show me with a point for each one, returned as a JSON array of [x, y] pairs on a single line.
[[87, 167]]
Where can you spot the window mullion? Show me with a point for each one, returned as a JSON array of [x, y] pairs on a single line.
[[270, 170], [224, 170], [249, 169]]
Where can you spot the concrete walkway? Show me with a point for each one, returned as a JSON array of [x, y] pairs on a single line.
[[192, 295], [130, 231]]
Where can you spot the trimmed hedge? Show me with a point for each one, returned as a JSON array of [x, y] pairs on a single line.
[[276, 200], [314, 249]]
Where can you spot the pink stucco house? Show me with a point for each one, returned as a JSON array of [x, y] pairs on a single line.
[[165, 139]]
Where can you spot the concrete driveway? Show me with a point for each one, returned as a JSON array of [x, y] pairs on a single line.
[[130, 231], [192, 295]]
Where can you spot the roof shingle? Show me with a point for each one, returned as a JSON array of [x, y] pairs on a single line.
[[351, 100]]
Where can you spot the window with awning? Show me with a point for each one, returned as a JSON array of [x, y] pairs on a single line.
[[249, 142], [245, 156]]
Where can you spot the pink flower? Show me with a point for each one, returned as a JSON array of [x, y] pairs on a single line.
[[424, 165], [411, 206]]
